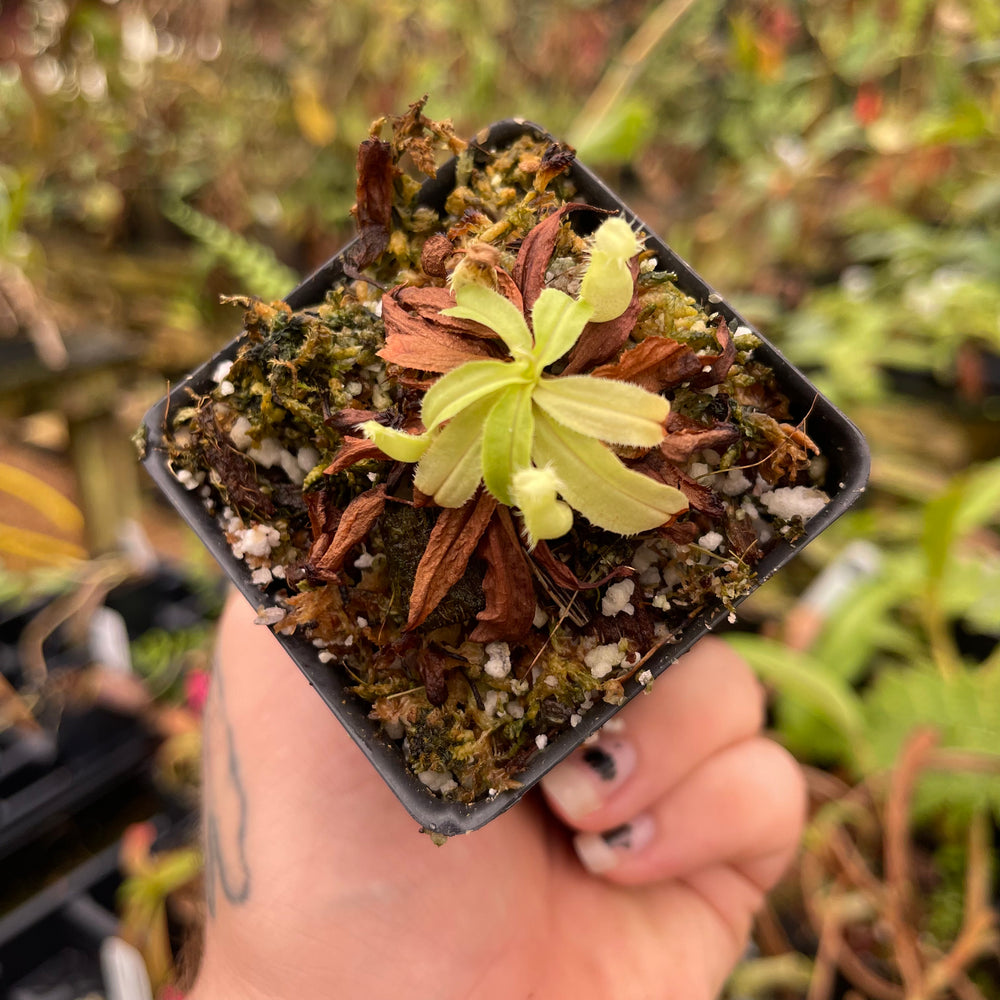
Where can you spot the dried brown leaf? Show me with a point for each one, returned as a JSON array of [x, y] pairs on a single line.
[[686, 436], [715, 367], [453, 540], [357, 520], [353, 450], [433, 667], [418, 337], [702, 498], [373, 211], [324, 514], [656, 364], [536, 252], [509, 589], [435, 252], [742, 539], [236, 473], [564, 577]]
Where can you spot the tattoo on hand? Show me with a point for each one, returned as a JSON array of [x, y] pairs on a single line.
[[225, 807]]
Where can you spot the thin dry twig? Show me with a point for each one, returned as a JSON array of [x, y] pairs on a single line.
[[898, 867], [625, 69]]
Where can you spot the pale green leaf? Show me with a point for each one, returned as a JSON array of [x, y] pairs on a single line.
[[466, 385], [800, 678], [559, 320], [483, 305], [507, 433], [452, 467], [612, 411], [399, 445], [981, 500], [596, 483], [941, 528]]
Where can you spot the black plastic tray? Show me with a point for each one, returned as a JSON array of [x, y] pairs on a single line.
[[81, 754], [50, 943], [839, 439]]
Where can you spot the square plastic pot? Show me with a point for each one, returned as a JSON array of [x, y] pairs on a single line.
[[840, 441]]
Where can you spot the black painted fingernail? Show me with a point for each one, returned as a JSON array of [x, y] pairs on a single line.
[[583, 783], [600, 852]]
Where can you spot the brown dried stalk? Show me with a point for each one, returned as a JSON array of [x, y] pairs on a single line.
[[837, 885]]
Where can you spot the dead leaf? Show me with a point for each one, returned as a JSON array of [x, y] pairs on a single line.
[[237, 474], [536, 252], [324, 514], [419, 337], [373, 211], [702, 498], [715, 367], [562, 576], [509, 588], [434, 253], [656, 364], [357, 520], [452, 542], [742, 540], [433, 667], [686, 436], [353, 450]]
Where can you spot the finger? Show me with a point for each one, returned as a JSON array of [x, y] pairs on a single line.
[[707, 700], [743, 807]]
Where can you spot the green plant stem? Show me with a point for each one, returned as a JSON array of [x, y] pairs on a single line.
[[944, 652]]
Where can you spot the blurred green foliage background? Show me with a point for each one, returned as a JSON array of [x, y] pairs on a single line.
[[831, 166]]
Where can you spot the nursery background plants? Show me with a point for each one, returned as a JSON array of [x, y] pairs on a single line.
[[829, 166]]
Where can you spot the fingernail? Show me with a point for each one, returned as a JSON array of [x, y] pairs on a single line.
[[599, 853], [584, 781]]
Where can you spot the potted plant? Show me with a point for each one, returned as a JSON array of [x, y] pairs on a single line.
[[496, 465]]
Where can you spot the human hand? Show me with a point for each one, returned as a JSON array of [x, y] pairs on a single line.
[[319, 885]]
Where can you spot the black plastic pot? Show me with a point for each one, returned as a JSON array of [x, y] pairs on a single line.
[[50, 943], [70, 761], [80, 754], [840, 441]]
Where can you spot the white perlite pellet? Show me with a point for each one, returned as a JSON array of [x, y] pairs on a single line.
[[438, 781], [601, 660], [497, 663], [618, 598], [257, 540], [732, 484], [541, 741], [267, 453], [711, 540], [794, 501], [307, 458], [269, 616]]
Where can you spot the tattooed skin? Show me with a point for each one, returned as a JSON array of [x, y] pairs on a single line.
[[225, 807]]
